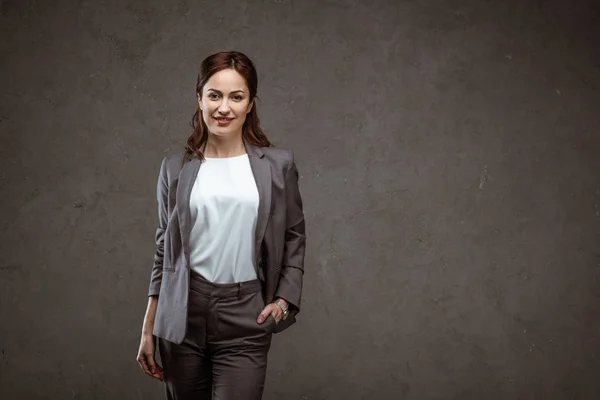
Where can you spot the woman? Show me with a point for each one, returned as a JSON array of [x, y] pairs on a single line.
[[230, 246]]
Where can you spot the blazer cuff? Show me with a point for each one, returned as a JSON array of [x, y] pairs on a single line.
[[154, 289], [290, 287]]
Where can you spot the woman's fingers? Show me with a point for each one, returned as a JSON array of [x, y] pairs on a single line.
[[269, 309], [141, 359], [157, 371], [264, 314], [150, 366], [146, 359]]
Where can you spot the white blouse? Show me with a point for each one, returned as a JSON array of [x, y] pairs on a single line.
[[224, 210]]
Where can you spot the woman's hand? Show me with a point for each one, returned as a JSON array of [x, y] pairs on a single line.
[[272, 309], [145, 357]]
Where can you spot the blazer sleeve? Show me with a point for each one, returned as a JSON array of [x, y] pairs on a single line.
[[292, 268], [162, 195]]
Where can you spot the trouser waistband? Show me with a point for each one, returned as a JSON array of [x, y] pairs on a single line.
[[202, 285]]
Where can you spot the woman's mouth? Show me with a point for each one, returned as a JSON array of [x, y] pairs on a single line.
[[223, 121]]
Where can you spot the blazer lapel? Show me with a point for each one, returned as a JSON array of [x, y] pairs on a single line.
[[261, 169], [187, 177]]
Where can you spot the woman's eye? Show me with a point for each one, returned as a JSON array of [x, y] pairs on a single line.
[[213, 96]]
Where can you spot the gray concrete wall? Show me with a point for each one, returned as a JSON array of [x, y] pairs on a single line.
[[449, 154]]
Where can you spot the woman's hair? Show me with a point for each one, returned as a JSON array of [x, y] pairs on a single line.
[[251, 131]]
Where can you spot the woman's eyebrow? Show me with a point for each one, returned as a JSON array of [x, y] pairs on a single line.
[[234, 91]]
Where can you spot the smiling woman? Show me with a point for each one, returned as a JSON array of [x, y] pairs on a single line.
[[225, 102], [229, 261], [226, 91]]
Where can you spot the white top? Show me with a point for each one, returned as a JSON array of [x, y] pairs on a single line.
[[224, 211]]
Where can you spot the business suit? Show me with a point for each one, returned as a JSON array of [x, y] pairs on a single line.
[[279, 237]]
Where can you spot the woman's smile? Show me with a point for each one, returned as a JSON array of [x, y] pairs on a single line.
[[223, 121]]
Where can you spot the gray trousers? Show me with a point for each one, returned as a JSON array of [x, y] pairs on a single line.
[[224, 353]]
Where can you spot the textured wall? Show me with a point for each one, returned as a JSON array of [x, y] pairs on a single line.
[[449, 154]]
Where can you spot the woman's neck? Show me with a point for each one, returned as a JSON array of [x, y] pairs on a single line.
[[219, 148]]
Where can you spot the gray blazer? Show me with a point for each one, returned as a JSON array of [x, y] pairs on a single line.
[[279, 239]]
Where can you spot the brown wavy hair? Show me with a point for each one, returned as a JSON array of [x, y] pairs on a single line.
[[251, 131]]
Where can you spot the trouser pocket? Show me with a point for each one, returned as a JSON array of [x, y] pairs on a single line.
[[237, 317]]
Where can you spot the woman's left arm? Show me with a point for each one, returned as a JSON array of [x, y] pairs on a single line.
[[292, 268]]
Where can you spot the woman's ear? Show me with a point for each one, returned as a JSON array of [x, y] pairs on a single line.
[[250, 106]]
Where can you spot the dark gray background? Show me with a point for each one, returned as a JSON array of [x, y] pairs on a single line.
[[449, 155]]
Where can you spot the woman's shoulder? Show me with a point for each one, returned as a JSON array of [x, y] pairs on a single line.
[[172, 163], [173, 158], [278, 155]]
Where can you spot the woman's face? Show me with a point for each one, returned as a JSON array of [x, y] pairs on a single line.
[[225, 96]]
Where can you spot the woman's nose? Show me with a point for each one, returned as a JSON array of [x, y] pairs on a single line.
[[224, 107]]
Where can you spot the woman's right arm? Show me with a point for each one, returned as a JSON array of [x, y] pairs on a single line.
[[145, 356], [162, 197]]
